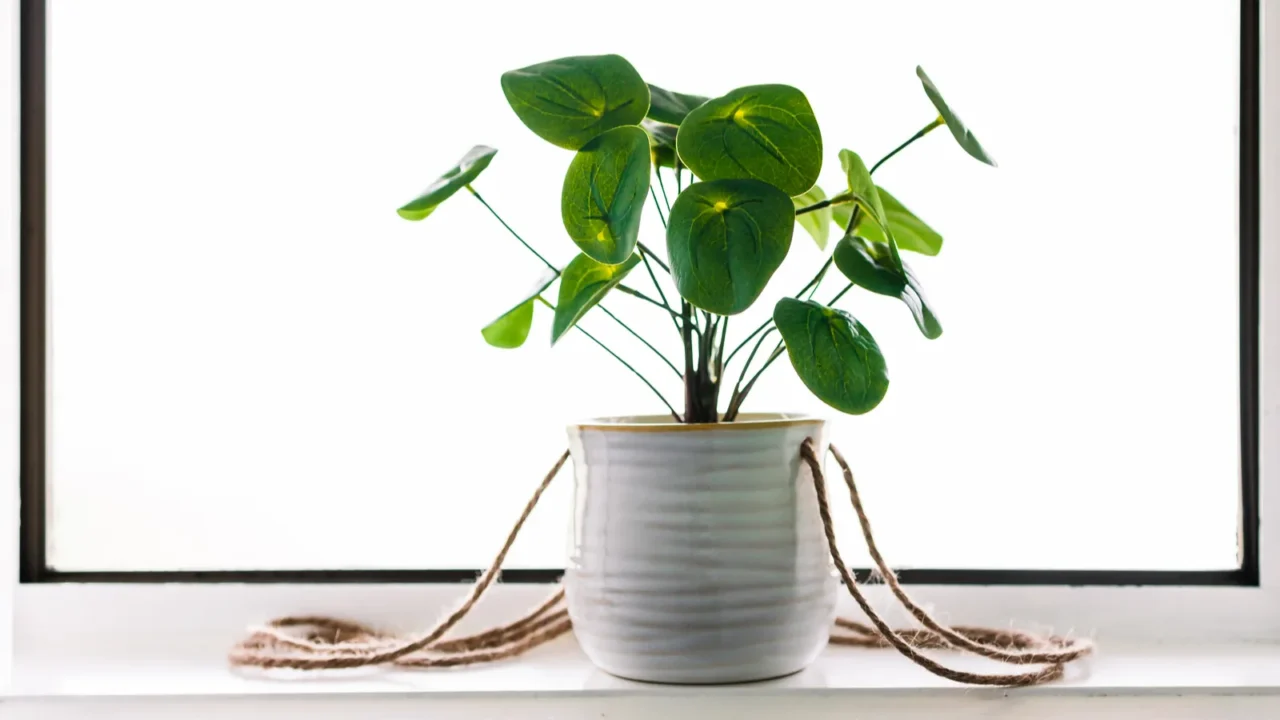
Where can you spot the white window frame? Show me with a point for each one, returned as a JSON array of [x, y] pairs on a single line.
[[196, 618]]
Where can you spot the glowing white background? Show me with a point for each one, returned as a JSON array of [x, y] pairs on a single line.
[[255, 364]]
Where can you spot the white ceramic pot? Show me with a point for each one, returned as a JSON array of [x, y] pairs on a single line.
[[697, 551]]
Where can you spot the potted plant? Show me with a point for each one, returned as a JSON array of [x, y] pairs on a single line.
[[698, 554]]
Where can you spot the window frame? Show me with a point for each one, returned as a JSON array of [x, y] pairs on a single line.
[[33, 565]]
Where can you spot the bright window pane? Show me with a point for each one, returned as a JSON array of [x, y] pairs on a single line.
[[255, 364]]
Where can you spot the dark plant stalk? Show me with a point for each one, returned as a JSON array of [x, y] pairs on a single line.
[[724, 334], [625, 364], [923, 131], [690, 397], [640, 337]]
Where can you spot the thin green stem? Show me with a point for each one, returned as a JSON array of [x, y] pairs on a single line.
[[812, 286], [675, 317], [637, 294], [626, 364], [513, 232], [923, 131], [841, 199], [645, 249], [640, 337], [840, 294], [663, 187], [653, 194], [737, 387], [816, 206], [748, 339], [732, 414]]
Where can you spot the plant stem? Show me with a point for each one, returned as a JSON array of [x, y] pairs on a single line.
[[686, 317], [732, 413], [923, 131], [816, 206], [724, 333], [513, 232], [840, 294], [812, 287], [637, 294], [663, 187], [645, 249], [653, 194], [675, 318], [737, 388], [746, 340], [626, 364], [841, 199], [640, 337]]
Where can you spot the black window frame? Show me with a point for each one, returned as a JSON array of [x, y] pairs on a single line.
[[33, 565]]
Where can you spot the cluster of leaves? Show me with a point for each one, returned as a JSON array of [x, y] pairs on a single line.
[[756, 153]]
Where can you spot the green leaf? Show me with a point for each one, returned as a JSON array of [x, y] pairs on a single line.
[[571, 100], [867, 264], [962, 134], [670, 107], [511, 329], [604, 194], [834, 355], [583, 284], [725, 239], [815, 222], [761, 132], [458, 176], [867, 197], [909, 232], [662, 142]]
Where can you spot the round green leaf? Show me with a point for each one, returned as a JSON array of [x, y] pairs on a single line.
[[815, 222], [725, 239], [571, 100], [962, 134], [834, 355], [604, 194], [761, 132], [909, 232], [458, 176], [670, 107], [583, 284], [511, 329], [867, 264]]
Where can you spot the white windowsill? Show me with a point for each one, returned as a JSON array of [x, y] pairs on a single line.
[[558, 681]]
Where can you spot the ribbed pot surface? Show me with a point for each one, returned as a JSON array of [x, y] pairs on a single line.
[[697, 553]]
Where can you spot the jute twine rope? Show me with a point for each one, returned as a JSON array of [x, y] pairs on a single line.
[[325, 643]]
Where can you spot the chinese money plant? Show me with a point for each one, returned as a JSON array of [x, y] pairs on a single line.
[[751, 158]]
